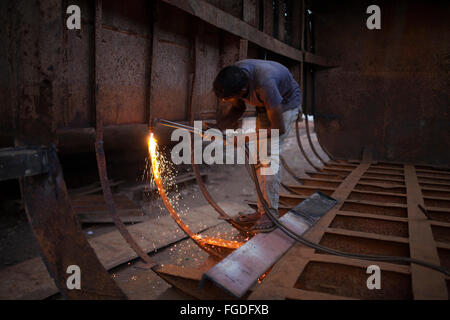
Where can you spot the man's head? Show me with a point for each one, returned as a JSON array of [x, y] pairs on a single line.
[[230, 83]]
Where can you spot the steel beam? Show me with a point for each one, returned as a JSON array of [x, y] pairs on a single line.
[[225, 21], [426, 284]]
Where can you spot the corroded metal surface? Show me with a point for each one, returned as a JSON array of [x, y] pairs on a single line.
[[238, 272], [61, 239], [391, 87], [107, 194]]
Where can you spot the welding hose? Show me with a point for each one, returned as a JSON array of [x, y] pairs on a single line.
[[319, 247], [223, 215]]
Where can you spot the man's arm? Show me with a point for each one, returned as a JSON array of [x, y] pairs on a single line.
[[275, 116], [237, 110]]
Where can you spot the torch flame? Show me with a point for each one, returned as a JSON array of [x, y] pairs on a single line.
[[152, 144]]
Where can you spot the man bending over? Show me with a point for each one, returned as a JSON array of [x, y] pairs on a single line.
[[271, 88]]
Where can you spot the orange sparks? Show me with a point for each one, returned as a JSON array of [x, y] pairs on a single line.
[[156, 170], [152, 149]]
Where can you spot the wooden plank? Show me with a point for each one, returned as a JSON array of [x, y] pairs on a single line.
[[90, 189], [298, 294], [325, 175], [377, 196], [188, 279], [438, 209], [378, 204], [384, 266], [98, 218], [440, 224], [371, 216], [326, 182], [19, 281], [366, 235], [310, 188], [443, 245], [435, 172], [397, 182], [426, 283], [243, 49], [382, 185], [391, 172], [444, 179], [433, 182], [360, 192], [293, 198]]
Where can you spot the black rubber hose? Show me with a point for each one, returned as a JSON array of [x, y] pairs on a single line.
[[316, 246]]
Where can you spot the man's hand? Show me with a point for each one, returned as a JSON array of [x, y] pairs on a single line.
[[230, 120]]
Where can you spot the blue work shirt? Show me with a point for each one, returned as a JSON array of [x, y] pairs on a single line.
[[270, 85]]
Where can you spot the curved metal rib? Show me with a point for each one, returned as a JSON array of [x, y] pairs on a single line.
[[204, 190], [291, 190], [308, 134], [107, 194], [290, 171], [206, 243], [299, 143]]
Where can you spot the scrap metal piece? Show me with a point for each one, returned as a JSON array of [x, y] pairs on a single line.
[[22, 162], [60, 238], [314, 207], [237, 273], [241, 269]]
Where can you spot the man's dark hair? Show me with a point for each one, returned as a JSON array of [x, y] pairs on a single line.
[[229, 82]]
